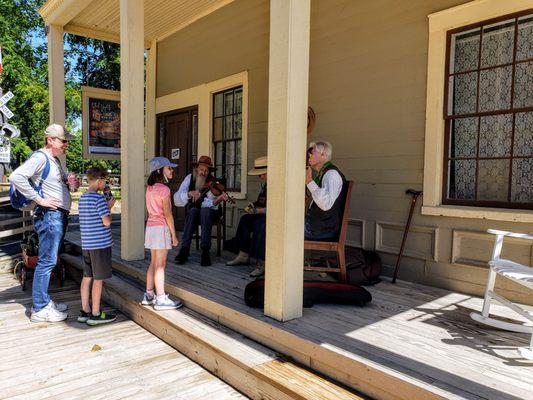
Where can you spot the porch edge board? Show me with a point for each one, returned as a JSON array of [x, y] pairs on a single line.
[[248, 366], [360, 374]]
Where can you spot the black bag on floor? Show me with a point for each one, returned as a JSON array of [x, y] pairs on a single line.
[[315, 292], [364, 267]]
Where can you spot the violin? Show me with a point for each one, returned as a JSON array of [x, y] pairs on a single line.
[[215, 186]]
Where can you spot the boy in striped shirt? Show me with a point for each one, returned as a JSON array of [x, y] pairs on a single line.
[[96, 242]]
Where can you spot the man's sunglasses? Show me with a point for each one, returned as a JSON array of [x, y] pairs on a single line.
[[62, 140]]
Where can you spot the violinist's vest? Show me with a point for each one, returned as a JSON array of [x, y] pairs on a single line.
[[192, 186], [324, 222]]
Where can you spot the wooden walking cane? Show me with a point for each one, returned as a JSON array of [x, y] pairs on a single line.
[[415, 194]]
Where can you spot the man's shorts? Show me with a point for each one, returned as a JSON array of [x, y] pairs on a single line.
[[97, 263]]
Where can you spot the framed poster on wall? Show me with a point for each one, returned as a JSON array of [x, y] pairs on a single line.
[[101, 123]]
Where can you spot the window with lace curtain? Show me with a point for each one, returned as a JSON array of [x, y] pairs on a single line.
[[488, 159]]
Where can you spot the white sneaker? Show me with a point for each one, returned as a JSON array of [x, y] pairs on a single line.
[[241, 259], [258, 271], [166, 303], [147, 300], [48, 314], [61, 307]]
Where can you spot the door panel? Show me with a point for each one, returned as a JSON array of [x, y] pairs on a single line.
[[177, 141]]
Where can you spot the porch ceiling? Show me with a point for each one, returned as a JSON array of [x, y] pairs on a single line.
[[100, 19]]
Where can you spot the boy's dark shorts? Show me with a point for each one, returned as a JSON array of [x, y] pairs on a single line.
[[97, 263]]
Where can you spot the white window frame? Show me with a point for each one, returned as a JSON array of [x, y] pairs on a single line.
[[439, 24]]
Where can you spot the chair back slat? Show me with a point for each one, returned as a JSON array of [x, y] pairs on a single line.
[[346, 213]]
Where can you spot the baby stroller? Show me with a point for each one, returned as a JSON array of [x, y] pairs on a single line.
[[24, 268]]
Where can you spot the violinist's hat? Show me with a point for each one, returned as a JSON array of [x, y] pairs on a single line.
[[206, 160], [260, 166]]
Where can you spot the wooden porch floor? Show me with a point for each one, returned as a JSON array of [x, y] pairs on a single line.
[[417, 332], [41, 361]]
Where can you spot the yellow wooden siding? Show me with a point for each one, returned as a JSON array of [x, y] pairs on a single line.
[[368, 68]]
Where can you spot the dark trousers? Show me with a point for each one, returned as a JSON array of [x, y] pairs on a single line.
[[251, 234], [203, 216]]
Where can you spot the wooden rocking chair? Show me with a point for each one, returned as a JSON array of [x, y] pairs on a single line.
[[519, 273], [337, 247]]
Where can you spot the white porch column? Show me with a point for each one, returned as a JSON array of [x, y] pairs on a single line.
[[56, 78], [132, 128], [287, 131], [150, 128]]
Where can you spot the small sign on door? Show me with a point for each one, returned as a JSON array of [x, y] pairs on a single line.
[[175, 154]]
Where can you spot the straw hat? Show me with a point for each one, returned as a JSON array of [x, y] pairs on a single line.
[[260, 166]]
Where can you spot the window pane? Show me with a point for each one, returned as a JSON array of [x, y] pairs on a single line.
[[228, 102], [498, 43], [228, 128], [523, 85], [462, 179], [238, 100], [495, 89], [522, 181], [230, 177], [238, 145], [219, 159], [220, 171], [237, 120], [524, 45], [463, 138], [230, 152], [217, 129], [219, 104], [463, 90], [237, 176], [493, 180], [465, 51], [523, 134], [495, 135]]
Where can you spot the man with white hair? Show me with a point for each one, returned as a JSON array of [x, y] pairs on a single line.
[[327, 190], [43, 180]]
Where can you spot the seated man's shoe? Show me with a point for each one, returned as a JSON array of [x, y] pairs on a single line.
[[241, 259], [182, 256], [259, 270], [205, 260]]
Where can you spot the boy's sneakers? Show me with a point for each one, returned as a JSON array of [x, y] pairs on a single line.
[[147, 299], [48, 314], [83, 316], [102, 318], [165, 303]]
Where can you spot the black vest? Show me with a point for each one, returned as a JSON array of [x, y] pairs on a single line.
[[323, 222], [192, 187]]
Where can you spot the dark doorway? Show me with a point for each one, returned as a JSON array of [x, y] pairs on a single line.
[[178, 141]]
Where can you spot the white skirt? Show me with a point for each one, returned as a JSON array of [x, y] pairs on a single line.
[[157, 238]]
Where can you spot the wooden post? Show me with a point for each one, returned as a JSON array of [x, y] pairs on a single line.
[[287, 125], [56, 78], [132, 128], [150, 129]]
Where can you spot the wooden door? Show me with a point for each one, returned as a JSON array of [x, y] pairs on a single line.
[[177, 141]]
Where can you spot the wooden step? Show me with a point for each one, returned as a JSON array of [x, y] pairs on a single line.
[[252, 368]]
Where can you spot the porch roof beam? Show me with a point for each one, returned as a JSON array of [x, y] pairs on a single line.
[[61, 12], [98, 34]]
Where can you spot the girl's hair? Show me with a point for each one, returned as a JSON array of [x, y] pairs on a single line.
[[156, 177]]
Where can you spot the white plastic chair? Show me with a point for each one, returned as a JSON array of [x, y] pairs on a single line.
[[519, 273]]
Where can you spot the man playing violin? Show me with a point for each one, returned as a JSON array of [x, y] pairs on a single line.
[[327, 189], [202, 207]]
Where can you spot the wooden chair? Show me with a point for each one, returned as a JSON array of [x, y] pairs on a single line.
[[519, 273], [336, 247], [221, 231]]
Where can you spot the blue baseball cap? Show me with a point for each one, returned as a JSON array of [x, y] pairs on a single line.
[[160, 162]]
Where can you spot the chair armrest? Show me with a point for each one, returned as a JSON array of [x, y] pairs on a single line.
[[511, 234]]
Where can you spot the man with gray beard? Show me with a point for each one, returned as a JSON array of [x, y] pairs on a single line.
[[201, 207]]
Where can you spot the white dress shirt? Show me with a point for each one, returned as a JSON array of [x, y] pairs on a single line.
[[325, 196], [181, 197]]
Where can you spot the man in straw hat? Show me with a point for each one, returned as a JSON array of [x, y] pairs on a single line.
[[43, 180], [250, 236], [202, 208]]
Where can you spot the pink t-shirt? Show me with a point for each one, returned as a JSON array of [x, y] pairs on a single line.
[[154, 204]]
